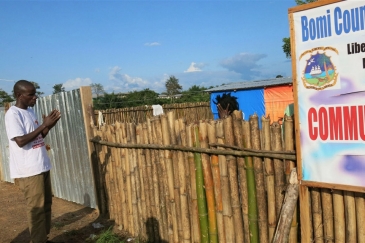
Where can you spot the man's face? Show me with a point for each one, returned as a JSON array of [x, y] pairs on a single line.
[[28, 97]]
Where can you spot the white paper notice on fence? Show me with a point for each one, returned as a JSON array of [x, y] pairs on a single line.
[[330, 64]]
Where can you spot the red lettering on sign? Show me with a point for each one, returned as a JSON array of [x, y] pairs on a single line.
[[337, 123]]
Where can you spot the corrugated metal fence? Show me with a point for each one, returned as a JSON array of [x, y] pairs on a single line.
[[4, 150], [72, 175]]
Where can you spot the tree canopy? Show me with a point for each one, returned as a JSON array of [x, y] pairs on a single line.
[[148, 97], [37, 87], [4, 97], [97, 89], [57, 88], [300, 2], [286, 40], [172, 86], [195, 94]]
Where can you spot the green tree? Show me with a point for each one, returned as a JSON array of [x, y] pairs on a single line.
[[37, 87], [195, 93], [108, 101], [286, 47], [172, 86], [97, 89], [57, 88], [286, 41], [279, 76], [300, 2], [143, 97], [4, 97]]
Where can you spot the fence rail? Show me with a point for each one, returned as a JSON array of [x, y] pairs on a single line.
[[190, 111]]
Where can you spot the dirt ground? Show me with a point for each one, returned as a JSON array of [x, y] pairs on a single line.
[[71, 223]]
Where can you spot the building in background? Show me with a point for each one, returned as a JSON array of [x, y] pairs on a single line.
[[268, 97]]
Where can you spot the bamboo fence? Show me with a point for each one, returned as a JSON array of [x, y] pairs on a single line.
[[166, 180], [190, 111]]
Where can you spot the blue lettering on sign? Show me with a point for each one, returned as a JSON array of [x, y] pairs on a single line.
[[319, 27], [338, 16], [305, 35], [344, 21]]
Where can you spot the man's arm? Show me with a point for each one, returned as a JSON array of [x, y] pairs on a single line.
[[48, 122], [45, 132], [27, 138]]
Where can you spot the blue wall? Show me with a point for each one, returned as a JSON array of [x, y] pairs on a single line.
[[250, 101]]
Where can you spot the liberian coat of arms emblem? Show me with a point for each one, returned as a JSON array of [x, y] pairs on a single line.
[[319, 72]]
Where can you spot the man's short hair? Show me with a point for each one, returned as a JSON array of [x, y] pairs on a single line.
[[19, 86]]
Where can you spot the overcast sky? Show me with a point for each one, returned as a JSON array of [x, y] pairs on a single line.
[[133, 45]]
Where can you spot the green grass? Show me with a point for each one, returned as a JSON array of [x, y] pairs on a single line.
[[108, 237]]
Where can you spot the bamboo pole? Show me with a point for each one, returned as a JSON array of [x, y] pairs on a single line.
[[270, 180], [186, 164], [360, 216], [217, 184], [155, 175], [208, 183], [134, 180], [172, 122], [233, 181], [141, 164], [327, 207], [280, 180], [286, 215], [317, 215], [339, 216], [101, 174], [350, 215], [289, 142], [183, 169], [148, 182], [242, 176], [137, 174], [194, 214], [170, 190], [127, 157], [118, 176], [114, 174], [201, 198], [124, 156], [162, 180], [226, 198], [118, 220], [109, 174], [251, 188], [305, 214], [260, 181]]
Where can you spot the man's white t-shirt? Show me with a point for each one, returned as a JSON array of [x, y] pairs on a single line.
[[32, 159]]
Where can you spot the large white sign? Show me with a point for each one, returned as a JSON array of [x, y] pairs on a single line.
[[330, 61]]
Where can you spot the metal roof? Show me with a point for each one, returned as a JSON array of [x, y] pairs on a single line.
[[252, 84]]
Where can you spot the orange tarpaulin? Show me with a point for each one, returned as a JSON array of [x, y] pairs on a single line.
[[277, 98]]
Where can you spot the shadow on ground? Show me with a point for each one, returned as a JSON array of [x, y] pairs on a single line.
[[72, 227]]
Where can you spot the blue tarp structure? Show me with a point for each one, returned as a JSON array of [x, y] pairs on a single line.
[[267, 97], [250, 101]]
